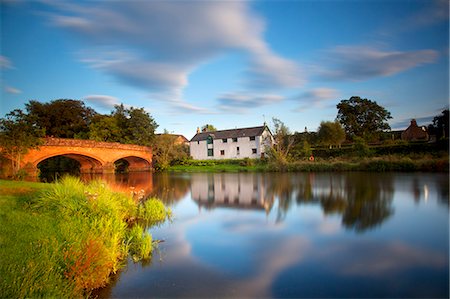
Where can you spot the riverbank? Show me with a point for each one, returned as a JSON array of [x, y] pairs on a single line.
[[375, 164], [66, 239]]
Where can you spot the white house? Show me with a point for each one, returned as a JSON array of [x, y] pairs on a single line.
[[231, 144]]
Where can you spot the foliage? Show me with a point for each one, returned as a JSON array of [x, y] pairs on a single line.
[[208, 128], [279, 152], [361, 147], [166, 151], [104, 128], [363, 118], [69, 238], [61, 118], [440, 126], [18, 135], [124, 125], [331, 133]]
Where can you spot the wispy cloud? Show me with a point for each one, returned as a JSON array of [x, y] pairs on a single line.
[[5, 63], [362, 62], [12, 90], [315, 98], [241, 101], [155, 45], [103, 101]]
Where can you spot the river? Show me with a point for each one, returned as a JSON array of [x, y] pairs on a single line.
[[267, 235]]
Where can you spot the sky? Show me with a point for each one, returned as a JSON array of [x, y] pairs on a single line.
[[231, 64]]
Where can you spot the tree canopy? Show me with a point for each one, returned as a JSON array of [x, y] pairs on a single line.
[[363, 118], [65, 118], [208, 128], [62, 118], [331, 133], [17, 136]]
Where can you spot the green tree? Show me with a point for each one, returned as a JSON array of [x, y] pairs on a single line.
[[135, 126], [17, 136], [331, 133], [440, 125], [279, 152], [363, 118], [166, 150], [208, 128], [104, 128], [62, 118]]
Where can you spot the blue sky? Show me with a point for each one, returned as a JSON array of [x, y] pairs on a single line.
[[230, 64]]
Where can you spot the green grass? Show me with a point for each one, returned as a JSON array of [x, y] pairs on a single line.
[[65, 239], [375, 164]]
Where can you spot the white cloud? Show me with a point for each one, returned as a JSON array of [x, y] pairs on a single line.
[[315, 98], [241, 101], [103, 101], [5, 63], [12, 90], [155, 45], [362, 62]]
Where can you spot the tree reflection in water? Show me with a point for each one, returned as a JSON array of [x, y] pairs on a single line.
[[363, 199]]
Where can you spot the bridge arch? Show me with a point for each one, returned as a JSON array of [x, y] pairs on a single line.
[[136, 163], [88, 164]]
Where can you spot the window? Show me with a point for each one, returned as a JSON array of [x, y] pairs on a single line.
[[224, 140], [235, 139], [209, 140], [210, 152], [253, 150], [252, 138], [222, 152], [237, 150], [198, 142]]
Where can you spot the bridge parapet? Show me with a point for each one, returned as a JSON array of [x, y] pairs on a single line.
[[51, 141]]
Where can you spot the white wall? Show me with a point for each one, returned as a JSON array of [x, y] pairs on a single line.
[[198, 149]]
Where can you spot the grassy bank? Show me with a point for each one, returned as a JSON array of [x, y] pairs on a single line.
[[65, 239], [376, 164]]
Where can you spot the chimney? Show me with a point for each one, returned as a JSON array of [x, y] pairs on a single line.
[[198, 130], [413, 123]]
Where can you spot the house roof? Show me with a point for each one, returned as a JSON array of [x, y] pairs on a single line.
[[232, 133], [179, 139]]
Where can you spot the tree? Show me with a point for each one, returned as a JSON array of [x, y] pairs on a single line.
[[166, 150], [18, 135], [440, 124], [331, 133], [104, 128], [283, 141], [62, 118], [363, 118], [135, 126], [208, 128]]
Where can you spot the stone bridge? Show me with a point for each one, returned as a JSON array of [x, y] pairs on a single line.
[[93, 156]]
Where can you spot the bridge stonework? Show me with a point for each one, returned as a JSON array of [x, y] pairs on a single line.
[[93, 156]]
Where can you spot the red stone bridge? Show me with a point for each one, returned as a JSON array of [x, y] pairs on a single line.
[[93, 156]]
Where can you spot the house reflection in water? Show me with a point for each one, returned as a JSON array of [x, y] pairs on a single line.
[[241, 191]]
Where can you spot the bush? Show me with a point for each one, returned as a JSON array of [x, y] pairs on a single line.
[[72, 238]]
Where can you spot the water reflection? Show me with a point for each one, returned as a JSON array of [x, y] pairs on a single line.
[[241, 191], [363, 200], [296, 235], [134, 183]]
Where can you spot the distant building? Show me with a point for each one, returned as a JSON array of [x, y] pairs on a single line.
[[231, 144], [178, 139], [415, 133]]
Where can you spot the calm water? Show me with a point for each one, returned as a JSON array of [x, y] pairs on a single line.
[[295, 235]]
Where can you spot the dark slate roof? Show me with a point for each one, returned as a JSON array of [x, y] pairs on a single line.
[[233, 133]]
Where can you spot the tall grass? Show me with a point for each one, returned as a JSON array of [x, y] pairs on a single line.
[[70, 238]]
